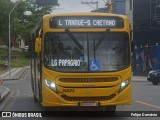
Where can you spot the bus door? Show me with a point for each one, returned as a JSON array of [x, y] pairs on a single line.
[[38, 84]]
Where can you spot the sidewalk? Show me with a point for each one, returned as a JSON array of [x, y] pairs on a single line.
[[16, 73], [139, 79]]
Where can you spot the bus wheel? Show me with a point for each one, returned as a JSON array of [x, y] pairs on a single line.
[[111, 109], [35, 99]]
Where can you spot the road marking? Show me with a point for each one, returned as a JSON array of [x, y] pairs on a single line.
[[148, 104]]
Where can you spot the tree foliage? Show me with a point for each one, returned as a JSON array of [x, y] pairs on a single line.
[[4, 11], [23, 18]]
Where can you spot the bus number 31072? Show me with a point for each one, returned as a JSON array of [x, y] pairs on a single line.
[[68, 90]]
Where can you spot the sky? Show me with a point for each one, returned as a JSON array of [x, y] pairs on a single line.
[[69, 6]]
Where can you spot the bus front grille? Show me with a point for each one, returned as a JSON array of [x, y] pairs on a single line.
[[88, 80], [99, 98]]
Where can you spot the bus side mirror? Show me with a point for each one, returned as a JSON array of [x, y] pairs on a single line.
[[38, 45], [132, 46]]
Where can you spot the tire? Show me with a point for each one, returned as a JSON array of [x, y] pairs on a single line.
[[35, 99], [111, 109], [154, 82], [32, 82]]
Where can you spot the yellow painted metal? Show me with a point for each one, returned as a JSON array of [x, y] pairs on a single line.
[[92, 89]]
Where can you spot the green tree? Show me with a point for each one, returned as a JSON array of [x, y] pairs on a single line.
[[23, 19], [27, 15], [4, 11]]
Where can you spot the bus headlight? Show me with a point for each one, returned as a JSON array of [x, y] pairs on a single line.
[[51, 85], [124, 84]]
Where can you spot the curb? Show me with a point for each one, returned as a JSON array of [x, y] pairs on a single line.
[[5, 93], [139, 79]]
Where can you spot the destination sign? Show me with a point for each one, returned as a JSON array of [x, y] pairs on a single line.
[[86, 22]]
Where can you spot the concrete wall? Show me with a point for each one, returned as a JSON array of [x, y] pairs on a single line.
[[119, 7], [146, 29]]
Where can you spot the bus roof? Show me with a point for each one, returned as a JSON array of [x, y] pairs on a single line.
[[85, 14]]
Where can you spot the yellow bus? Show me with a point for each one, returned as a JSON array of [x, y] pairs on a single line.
[[82, 59]]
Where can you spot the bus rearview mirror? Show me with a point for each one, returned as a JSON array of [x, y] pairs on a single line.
[[38, 45]]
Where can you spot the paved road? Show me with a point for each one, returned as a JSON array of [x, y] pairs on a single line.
[[146, 97]]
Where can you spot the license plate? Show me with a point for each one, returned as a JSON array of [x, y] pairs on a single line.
[[88, 103]]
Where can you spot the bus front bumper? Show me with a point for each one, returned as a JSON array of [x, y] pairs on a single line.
[[53, 99]]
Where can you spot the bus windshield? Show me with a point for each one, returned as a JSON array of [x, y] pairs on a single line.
[[101, 51]]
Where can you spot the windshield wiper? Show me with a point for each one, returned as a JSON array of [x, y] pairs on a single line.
[[101, 39], [73, 38], [94, 49]]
